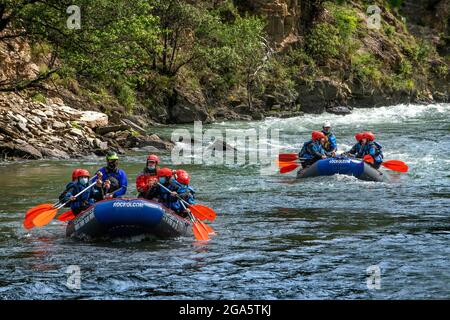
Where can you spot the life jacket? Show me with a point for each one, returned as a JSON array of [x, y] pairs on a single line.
[[62, 196], [165, 197], [143, 181], [118, 180], [328, 141], [186, 192], [307, 149], [83, 201], [378, 154]]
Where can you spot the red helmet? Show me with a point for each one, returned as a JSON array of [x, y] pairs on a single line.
[[359, 136], [368, 135], [164, 172], [182, 176], [80, 173], [153, 157], [75, 174], [317, 135]]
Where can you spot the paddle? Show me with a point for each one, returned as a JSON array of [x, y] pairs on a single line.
[[194, 207], [286, 157], [43, 217], [66, 216], [197, 208], [281, 164], [199, 231], [289, 168], [200, 211], [394, 165]]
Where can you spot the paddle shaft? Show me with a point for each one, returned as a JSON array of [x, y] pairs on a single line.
[[82, 191], [59, 201], [178, 196]]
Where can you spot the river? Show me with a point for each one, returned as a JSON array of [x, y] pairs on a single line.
[[277, 238]]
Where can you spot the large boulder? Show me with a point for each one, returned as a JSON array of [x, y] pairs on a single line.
[[187, 107], [94, 119], [323, 93], [27, 151]]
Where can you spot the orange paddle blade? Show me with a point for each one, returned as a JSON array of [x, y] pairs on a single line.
[[395, 165], [199, 232], [208, 229], [203, 212], [44, 218], [289, 168], [31, 215], [66, 216], [285, 157], [41, 207], [281, 164]]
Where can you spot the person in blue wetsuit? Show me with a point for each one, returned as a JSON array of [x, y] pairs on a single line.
[[312, 150], [372, 148], [330, 145], [80, 180], [184, 190], [356, 149], [156, 192], [115, 179]]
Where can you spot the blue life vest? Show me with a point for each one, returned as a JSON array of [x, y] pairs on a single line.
[[374, 149], [120, 176], [84, 200], [186, 192], [311, 149]]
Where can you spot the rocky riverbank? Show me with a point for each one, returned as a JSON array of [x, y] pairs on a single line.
[[32, 130]]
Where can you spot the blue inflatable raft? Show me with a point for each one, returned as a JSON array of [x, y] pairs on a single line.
[[128, 217], [341, 165]]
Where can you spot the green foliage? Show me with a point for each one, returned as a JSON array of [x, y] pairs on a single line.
[[366, 68], [75, 125], [39, 97], [388, 30], [126, 97], [323, 42], [346, 21]]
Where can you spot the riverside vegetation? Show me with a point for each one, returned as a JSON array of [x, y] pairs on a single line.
[[146, 63]]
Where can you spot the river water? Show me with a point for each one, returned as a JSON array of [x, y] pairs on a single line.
[[278, 238]]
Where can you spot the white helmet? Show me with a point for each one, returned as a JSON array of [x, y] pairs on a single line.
[[327, 124]]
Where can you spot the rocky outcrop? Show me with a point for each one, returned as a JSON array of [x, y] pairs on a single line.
[[15, 62], [187, 106], [32, 130], [282, 18]]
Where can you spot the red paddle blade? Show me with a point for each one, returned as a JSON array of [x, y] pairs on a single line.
[[199, 232], [66, 216], [395, 165], [41, 207], [203, 212], [287, 157], [289, 168], [368, 158], [44, 218]]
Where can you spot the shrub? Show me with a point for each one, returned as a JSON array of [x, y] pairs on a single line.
[[323, 42], [367, 68], [126, 97]]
